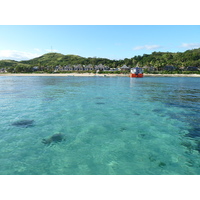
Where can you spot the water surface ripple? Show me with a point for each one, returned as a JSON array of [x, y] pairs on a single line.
[[111, 125]]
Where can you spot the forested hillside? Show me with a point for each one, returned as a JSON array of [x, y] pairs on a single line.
[[159, 60]]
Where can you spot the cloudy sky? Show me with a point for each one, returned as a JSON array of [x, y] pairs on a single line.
[[22, 42]]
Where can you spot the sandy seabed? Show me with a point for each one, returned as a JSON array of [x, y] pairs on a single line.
[[91, 74]]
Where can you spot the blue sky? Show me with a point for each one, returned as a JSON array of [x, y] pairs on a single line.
[[22, 42]]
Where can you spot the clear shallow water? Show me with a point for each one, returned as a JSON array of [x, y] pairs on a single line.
[[112, 125]]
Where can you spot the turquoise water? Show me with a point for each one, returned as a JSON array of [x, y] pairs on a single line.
[[112, 125]]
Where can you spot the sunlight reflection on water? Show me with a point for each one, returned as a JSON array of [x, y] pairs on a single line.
[[113, 125]]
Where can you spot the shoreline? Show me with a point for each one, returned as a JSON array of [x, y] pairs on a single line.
[[67, 74], [109, 75], [173, 75]]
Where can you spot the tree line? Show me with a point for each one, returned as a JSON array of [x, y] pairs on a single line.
[[181, 60]]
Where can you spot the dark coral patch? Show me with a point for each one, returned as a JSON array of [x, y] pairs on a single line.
[[23, 123], [100, 103], [58, 137], [161, 164]]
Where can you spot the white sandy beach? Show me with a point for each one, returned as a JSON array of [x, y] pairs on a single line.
[[173, 75], [91, 74], [67, 74]]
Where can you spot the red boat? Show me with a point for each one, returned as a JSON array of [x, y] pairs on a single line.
[[136, 72]]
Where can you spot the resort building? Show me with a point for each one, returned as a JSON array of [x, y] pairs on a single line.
[[68, 68], [3, 70], [88, 67], [78, 68], [125, 68], [191, 68], [169, 68], [101, 67]]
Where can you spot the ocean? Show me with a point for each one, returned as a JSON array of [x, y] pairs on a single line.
[[99, 125]]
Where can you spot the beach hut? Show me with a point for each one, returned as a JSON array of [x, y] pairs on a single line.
[[125, 68], [35, 68], [68, 68], [114, 69], [101, 67], [88, 67], [191, 68], [169, 68], [3, 70], [56, 69], [78, 67]]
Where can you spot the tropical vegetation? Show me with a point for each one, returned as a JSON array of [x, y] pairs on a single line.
[[156, 62]]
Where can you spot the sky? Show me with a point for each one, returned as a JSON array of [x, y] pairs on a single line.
[[23, 42]]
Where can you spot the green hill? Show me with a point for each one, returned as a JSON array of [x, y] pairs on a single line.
[[157, 59], [7, 63], [46, 59], [54, 59]]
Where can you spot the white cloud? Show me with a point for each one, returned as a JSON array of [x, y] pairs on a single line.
[[17, 55], [36, 49], [147, 47], [190, 45]]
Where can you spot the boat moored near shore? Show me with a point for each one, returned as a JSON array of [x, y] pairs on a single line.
[[136, 72]]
